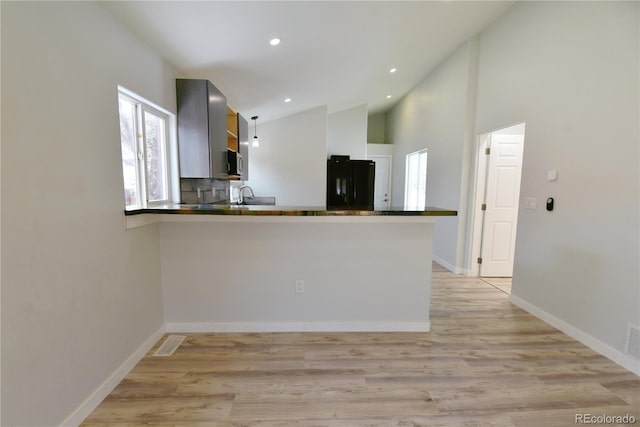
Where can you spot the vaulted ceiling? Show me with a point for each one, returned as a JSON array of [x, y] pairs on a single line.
[[334, 53]]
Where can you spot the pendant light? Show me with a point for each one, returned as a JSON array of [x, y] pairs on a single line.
[[256, 143]]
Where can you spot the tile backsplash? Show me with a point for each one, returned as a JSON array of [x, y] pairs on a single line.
[[211, 191]]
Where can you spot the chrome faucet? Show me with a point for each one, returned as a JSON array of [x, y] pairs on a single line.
[[241, 194]]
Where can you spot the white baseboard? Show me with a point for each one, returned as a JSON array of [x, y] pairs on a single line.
[[595, 344], [110, 383], [187, 327], [447, 265]]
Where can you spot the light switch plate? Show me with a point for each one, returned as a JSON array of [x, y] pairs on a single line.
[[530, 203]]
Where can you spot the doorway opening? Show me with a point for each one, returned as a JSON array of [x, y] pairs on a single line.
[[495, 213]]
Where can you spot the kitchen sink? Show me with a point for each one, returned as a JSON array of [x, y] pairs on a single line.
[[254, 201]]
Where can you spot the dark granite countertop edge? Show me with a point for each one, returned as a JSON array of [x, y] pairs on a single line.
[[284, 211]]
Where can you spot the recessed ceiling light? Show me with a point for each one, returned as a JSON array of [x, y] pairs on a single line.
[[287, 100], [274, 42], [393, 70], [388, 96]]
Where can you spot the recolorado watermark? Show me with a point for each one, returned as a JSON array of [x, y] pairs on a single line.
[[605, 419]]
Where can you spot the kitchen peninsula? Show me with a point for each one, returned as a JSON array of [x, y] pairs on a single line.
[[274, 268]]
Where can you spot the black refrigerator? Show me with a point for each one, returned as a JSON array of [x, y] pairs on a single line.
[[350, 183]]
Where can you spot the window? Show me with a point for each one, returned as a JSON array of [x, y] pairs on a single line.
[[415, 183], [144, 137]]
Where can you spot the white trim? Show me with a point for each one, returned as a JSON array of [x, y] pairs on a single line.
[[627, 342], [174, 165], [467, 272], [447, 265], [144, 100], [172, 177], [390, 172], [475, 233], [479, 183], [509, 125], [211, 327], [98, 395], [595, 344]]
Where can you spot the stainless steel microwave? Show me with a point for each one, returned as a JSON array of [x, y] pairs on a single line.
[[235, 163]]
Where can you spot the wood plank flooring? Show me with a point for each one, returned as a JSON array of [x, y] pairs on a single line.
[[502, 283], [485, 363]]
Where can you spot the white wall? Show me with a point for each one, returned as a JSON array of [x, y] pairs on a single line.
[[376, 125], [379, 149], [80, 293], [348, 132], [291, 162], [575, 83], [231, 276], [434, 116]]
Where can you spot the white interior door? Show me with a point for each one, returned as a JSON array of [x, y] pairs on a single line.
[[501, 199], [382, 186]]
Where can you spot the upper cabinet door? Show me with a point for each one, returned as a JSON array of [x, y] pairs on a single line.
[[243, 145], [217, 132], [193, 128], [202, 128]]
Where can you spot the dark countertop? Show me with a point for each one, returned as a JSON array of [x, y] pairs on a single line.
[[207, 209]]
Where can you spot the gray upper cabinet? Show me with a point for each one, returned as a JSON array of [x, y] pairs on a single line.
[[243, 145], [202, 129]]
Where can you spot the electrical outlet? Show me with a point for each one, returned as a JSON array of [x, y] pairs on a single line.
[[299, 286]]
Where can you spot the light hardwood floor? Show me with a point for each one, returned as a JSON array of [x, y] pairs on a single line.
[[485, 363], [501, 283]]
